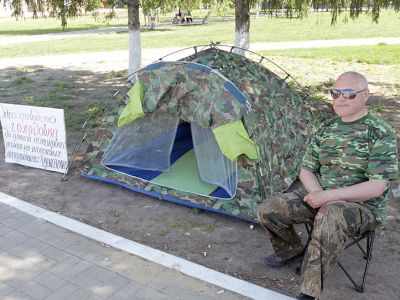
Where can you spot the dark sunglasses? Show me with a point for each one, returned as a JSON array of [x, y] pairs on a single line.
[[347, 93]]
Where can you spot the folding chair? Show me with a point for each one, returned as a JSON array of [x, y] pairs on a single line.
[[369, 235]]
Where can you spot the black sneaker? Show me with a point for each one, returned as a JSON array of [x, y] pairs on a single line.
[[271, 261], [302, 296]]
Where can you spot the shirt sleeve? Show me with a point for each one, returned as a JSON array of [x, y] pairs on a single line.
[[383, 161], [311, 158]]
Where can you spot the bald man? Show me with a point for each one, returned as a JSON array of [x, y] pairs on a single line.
[[345, 174]]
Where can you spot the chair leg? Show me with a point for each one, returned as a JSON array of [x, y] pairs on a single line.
[[366, 254], [370, 243]]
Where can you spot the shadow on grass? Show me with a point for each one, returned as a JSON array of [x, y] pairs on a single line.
[[52, 30], [80, 93], [156, 29]]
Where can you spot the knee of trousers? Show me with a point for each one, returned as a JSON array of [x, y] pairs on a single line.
[[329, 221], [269, 211]]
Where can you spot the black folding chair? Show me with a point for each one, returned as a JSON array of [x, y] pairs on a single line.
[[369, 235]]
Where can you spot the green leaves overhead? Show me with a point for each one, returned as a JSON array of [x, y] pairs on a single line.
[[64, 9]]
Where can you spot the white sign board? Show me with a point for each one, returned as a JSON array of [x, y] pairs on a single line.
[[34, 136]]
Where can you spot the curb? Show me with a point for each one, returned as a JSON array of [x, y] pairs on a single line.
[[153, 255]]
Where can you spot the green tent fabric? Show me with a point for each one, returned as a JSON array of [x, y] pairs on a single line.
[[233, 140], [133, 109], [212, 88], [184, 176]]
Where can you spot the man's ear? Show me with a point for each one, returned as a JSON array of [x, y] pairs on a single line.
[[366, 95]]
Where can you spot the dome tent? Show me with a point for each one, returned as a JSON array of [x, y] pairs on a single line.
[[215, 131]]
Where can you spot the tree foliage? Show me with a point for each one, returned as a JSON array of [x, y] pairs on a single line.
[[299, 8], [64, 9]]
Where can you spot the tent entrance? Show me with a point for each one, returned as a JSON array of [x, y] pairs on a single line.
[[184, 176], [160, 151]]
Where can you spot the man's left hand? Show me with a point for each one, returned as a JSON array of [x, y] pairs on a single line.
[[316, 199]]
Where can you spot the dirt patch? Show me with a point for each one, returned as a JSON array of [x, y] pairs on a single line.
[[221, 243]]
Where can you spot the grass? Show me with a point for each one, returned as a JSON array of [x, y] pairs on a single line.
[[163, 232], [188, 226], [207, 227], [21, 80], [196, 211], [185, 226], [56, 94], [381, 54], [317, 26], [29, 26]]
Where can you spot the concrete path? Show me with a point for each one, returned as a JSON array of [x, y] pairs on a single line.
[[118, 60], [40, 260], [94, 61]]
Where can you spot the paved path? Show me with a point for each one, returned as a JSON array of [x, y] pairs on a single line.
[[39, 260], [118, 60]]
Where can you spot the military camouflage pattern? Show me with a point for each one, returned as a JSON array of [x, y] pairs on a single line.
[[333, 224], [194, 94], [344, 154], [279, 122]]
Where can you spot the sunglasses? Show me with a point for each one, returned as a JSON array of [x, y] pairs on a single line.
[[347, 93]]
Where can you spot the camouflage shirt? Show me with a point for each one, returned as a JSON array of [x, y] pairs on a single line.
[[346, 153]]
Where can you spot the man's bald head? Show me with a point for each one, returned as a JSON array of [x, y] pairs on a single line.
[[354, 76], [351, 108]]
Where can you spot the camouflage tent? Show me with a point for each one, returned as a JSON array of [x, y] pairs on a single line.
[[215, 131]]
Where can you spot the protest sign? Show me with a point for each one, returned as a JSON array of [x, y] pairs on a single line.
[[34, 136]]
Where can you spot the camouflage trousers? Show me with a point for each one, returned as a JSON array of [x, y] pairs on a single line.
[[332, 223]]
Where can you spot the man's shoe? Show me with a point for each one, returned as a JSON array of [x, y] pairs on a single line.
[[271, 261], [302, 296]]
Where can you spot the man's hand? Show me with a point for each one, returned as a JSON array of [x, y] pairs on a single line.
[[316, 199], [359, 192]]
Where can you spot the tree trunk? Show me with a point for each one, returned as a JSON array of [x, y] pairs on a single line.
[[207, 15], [242, 26], [135, 58]]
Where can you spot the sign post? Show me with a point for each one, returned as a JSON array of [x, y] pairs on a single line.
[[34, 136]]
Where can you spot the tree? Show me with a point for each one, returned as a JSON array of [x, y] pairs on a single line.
[[242, 25], [135, 44]]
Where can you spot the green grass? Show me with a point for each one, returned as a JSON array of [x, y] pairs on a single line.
[[187, 226], [379, 54], [13, 27], [207, 227], [21, 80], [163, 232], [317, 26], [29, 26], [196, 211], [181, 225]]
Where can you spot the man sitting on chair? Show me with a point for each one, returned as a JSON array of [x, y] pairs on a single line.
[[345, 174]]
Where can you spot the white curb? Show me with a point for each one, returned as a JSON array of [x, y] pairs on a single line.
[[170, 261]]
